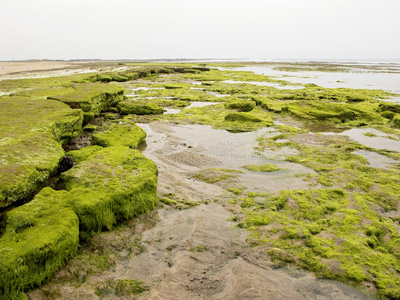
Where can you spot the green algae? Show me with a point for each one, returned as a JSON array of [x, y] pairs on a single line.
[[31, 133], [220, 117], [332, 233], [216, 175], [139, 108], [120, 288], [186, 92], [242, 106], [112, 184], [38, 237], [341, 233], [109, 117], [120, 133], [107, 185], [219, 75], [396, 120], [262, 168], [92, 97]]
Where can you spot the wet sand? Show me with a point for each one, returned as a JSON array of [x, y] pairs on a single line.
[[32, 66], [198, 252]]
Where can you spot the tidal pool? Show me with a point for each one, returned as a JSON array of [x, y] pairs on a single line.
[[372, 80], [192, 148], [201, 104], [380, 141], [377, 160], [271, 84]]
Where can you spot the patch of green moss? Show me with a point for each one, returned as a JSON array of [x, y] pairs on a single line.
[[370, 134], [236, 191], [38, 238], [109, 117], [83, 153], [129, 75], [30, 149], [110, 185], [396, 120], [119, 288], [391, 107], [220, 117], [342, 233], [199, 248], [139, 108], [90, 127], [243, 106], [120, 133], [92, 97], [262, 168], [106, 186], [168, 201], [186, 92], [216, 175], [319, 229]]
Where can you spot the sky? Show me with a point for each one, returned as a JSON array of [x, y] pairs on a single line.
[[225, 29]]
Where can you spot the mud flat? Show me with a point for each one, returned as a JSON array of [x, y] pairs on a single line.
[[259, 194]]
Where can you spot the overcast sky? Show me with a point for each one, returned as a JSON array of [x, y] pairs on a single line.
[[263, 29]]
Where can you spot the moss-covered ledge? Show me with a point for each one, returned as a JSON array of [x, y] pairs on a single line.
[[92, 98], [31, 133], [106, 186]]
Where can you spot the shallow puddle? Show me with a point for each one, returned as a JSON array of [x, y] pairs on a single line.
[[379, 142], [200, 147], [201, 104], [171, 111], [372, 80], [271, 84], [377, 160]]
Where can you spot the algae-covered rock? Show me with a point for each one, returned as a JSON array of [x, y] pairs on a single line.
[[83, 153], [92, 97], [243, 117], [111, 184], [123, 133], [106, 186], [241, 105], [88, 117], [30, 151], [220, 117], [109, 117], [90, 127], [353, 114], [138, 108], [38, 237], [396, 120], [390, 107]]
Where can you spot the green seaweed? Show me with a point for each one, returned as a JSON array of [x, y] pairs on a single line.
[[110, 185], [220, 117], [92, 97], [216, 175], [38, 237], [120, 133], [120, 288], [243, 106], [262, 168], [341, 233], [30, 145], [139, 108]]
